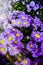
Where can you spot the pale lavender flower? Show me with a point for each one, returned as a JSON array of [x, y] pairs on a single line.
[[32, 3], [13, 50], [28, 8], [26, 61], [10, 38], [36, 7], [3, 49]]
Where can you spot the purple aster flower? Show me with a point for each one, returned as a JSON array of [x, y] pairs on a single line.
[[13, 22], [23, 20], [13, 50], [19, 22], [18, 35], [20, 12], [36, 7], [32, 3], [3, 49], [26, 61], [4, 34], [26, 23], [22, 16], [31, 45], [10, 38], [36, 52], [3, 41], [18, 44], [37, 36], [28, 8], [16, 22], [37, 21]]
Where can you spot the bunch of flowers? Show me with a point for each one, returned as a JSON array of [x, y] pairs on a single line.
[[21, 33]]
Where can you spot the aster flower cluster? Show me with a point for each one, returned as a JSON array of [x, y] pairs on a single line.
[[33, 6], [10, 41], [21, 35]]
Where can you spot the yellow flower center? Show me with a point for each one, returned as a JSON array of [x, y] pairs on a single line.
[[2, 41], [2, 49], [26, 61], [10, 38], [19, 22], [25, 23], [14, 22], [37, 35], [17, 34]]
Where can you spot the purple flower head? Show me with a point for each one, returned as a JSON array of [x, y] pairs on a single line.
[[32, 3], [18, 22], [10, 38], [37, 21], [22, 15], [37, 36], [31, 46], [26, 23], [18, 35], [26, 61], [18, 44], [36, 7], [13, 50], [28, 8], [36, 52], [3, 41], [3, 49], [23, 20]]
